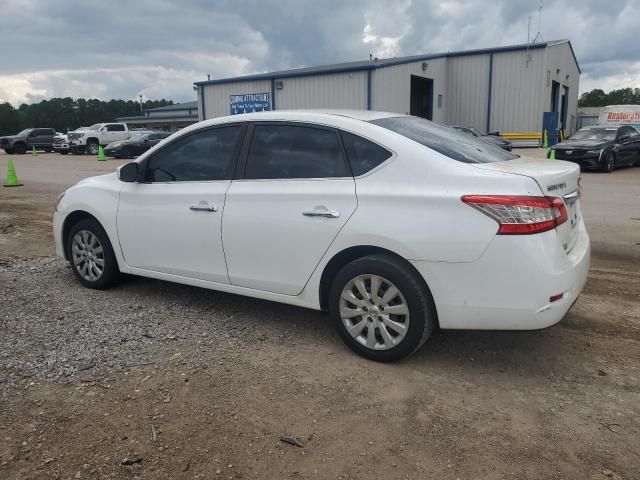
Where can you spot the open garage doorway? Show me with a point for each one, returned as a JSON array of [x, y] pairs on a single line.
[[421, 97]]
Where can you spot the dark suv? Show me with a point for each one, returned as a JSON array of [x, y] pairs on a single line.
[[40, 138]]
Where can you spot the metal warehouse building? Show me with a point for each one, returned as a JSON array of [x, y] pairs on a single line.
[[505, 89]]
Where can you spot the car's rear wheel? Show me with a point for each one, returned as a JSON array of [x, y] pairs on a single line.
[[127, 152], [91, 255], [381, 307], [609, 162], [19, 149]]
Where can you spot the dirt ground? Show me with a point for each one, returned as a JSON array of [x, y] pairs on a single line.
[[180, 382]]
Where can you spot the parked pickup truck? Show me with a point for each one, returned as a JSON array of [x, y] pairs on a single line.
[[89, 139], [61, 141], [40, 138]]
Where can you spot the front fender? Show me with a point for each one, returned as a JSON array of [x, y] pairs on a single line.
[[97, 196]]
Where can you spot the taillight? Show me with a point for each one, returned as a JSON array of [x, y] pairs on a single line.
[[519, 214]]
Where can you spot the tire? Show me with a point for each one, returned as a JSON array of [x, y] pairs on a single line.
[[82, 234], [609, 162], [63, 152], [127, 153], [413, 294], [19, 149], [92, 148], [48, 150], [9, 151]]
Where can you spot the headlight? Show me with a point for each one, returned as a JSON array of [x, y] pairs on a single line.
[[594, 152]]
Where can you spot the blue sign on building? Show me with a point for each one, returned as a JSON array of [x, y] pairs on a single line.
[[250, 102]]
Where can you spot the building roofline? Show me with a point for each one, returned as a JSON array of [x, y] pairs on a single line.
[[383, 63], [152, 118], [192, 105]]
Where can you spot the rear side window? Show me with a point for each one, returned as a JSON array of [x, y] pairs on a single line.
[[202, 156], [362, 154], [115, 128], [288, 151], [445, 140]]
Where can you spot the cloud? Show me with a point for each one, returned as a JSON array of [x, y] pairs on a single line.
[[120, 49]]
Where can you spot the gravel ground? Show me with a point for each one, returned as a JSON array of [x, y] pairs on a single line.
[[157, 380]]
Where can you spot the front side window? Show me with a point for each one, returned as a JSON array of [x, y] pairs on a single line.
[[447, 141], [363, 155], [291, 151], [202, 156]]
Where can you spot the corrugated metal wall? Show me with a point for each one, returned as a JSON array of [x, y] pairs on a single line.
[[558, 61], [520, 89], [391, 87], [517, 91], [468, 82], [343, 90], [216, 97]]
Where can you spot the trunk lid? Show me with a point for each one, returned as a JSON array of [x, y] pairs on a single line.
[[556, 179]]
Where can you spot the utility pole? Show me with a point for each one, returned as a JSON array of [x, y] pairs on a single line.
[[141, 112]]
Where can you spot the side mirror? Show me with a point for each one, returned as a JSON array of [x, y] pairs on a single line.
[[624, 136], [128, 172]]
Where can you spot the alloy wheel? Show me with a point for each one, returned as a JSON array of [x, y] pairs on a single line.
[[374, 312], [88, 255]]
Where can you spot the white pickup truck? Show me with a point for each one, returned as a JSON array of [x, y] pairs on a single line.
[[89, 139]]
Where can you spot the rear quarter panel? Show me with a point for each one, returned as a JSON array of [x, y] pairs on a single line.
[[412, 206]]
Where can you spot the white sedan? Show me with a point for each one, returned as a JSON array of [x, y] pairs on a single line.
[[394, 224]]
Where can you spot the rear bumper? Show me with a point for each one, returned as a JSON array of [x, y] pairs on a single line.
[[510, 286]]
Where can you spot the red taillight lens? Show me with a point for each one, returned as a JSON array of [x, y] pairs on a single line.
[[519, 214]]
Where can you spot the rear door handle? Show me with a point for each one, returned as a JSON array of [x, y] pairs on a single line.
[[203, 208], [321, 213]]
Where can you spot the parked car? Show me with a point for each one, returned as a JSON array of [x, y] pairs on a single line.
[[61, 143], [392, 223], [601, 147], [139, 143], [100, 134], [40, 138], [487, 137]]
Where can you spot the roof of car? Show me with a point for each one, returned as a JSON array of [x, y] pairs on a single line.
[[364, 115]]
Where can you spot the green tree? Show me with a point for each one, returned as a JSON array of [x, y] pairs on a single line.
[[66, 114], [9, 119], [622, 96]]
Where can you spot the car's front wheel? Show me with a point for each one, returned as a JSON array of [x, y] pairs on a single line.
[[91, 256], [609, 162], [92, 148], [19, 148], [381, 307]]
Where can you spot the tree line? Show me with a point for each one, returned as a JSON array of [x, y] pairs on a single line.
[[66, 114], [622, 96]]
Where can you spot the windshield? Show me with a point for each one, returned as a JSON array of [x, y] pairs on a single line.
[[138, 137], [95, 126], [594, 134], [447, 141], [25, 132]]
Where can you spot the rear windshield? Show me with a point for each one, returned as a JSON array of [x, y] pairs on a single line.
[[445, 140]]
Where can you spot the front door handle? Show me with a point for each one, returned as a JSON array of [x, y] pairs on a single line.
[[203, 208], [321, 213]]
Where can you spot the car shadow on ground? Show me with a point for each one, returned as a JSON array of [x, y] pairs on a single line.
[[484, 350]]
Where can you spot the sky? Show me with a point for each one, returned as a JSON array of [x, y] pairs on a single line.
[[158, 48]]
